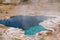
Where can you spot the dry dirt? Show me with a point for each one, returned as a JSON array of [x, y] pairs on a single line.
[[32, 8]]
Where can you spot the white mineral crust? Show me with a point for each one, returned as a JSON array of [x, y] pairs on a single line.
[[52, 24]]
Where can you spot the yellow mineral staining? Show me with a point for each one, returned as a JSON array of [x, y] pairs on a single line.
[[3, 27], [52, 37], [49, 33], [16, 39]]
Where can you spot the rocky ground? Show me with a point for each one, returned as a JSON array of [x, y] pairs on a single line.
[[4, 10], [32, 8], [10, 33]]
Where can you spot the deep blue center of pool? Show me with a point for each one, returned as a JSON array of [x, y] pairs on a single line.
[[29, 23]]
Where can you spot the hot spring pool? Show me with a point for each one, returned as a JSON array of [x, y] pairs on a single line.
[[35, 29], [30, 24]]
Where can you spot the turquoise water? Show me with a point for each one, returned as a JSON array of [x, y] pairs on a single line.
[[35, 29], [30, 24], [24, 22]]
